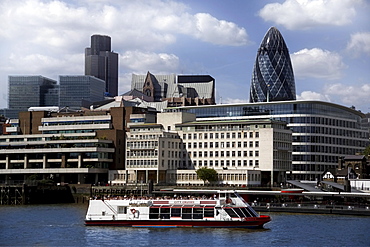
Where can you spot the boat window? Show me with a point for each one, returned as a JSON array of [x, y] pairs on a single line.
[[209, 212], [186, 213], [246, 212], [252, 212], [165, 213], [175, 212], [153, 213], [197, 213], [122, 210], [231, 213], [239, 212]]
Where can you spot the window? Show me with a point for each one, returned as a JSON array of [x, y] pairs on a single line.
[[256, 144], [251, 144], [251, 134], [257, 134]]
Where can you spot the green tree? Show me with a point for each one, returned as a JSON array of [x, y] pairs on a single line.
[[207, 174], [366, 151]]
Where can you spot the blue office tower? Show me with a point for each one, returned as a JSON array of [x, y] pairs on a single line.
[[272, 78]]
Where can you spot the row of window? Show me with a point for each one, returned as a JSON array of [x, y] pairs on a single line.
[[223, 144], [222, 135]]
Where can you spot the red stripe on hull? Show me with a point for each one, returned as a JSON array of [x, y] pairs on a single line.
[[257, 222]]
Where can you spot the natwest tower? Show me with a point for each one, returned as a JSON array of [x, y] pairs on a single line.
[[102, 63], [272, 78]]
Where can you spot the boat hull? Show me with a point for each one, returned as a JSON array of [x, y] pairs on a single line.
[[254, 222]]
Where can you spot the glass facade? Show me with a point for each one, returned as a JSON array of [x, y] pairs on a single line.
[[272, 78], [30, 91], [322, 131], [76, 89]]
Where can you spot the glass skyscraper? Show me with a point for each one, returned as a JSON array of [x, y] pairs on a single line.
[[272, 78], [102, 63]]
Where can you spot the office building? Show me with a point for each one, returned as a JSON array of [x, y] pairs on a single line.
[[272, 77], [74, 147], [102, 62], [244, 153], [28, 91], [322, 131], [78, 91]]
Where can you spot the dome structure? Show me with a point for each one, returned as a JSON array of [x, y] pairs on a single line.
[[272, 78]]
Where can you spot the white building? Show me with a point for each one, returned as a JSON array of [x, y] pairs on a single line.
[[244, 153]]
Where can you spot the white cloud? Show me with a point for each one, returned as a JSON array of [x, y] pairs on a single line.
[[304, 14], [359, 44], [317, 63], [48, 37], [309, 95], [349, 94], [212, 30], [141, 62]]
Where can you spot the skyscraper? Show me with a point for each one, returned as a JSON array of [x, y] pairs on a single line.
[[272, 78], [102, 63]]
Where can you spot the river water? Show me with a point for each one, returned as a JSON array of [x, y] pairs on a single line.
[[63, 225]]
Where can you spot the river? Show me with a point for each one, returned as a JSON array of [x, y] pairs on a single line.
[[63, 225]]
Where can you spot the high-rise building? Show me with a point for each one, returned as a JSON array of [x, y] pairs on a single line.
[[29, 91], [102, 63], [75, 90], [272, 78]]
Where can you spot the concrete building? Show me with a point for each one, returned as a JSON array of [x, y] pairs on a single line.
[[74, 147], [244, 153], [102, 62]]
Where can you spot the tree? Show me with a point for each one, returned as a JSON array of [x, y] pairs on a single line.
[[367, 151], [207, 174]]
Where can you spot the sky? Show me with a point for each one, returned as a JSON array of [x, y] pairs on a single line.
[[328, 41]]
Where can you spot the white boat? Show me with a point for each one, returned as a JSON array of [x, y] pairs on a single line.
[[216, 209]]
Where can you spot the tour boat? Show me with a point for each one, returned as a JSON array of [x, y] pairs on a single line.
[[219, 209]]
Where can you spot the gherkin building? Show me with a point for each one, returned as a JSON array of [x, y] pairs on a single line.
[[273, 78]]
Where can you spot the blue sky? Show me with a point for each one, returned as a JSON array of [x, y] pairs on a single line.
[[329, 42]]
